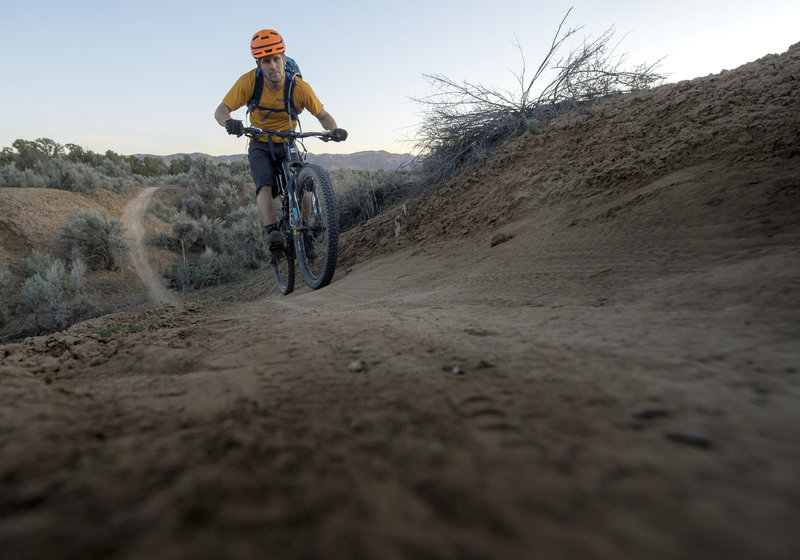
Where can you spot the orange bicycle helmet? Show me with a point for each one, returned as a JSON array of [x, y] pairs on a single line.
[[266, 42]]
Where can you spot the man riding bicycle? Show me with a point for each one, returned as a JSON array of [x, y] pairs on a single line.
[[268, 48]]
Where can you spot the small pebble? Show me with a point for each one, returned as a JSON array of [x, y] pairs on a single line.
[[649, 412], [355, 366], [694, 437]]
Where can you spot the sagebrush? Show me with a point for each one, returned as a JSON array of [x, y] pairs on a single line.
[[97, 239], [56, 296]]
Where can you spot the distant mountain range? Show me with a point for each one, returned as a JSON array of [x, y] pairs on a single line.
[[365, 161]]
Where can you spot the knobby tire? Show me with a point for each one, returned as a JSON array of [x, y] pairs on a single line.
[[324, 219]]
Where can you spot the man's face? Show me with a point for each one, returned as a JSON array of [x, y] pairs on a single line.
[[273, 68]]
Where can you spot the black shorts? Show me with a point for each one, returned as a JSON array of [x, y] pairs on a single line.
[[263, 167]]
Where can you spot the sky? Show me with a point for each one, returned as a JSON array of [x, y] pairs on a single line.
[[145, 76]]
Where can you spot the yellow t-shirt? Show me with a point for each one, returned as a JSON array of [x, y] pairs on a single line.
[[241, 92]]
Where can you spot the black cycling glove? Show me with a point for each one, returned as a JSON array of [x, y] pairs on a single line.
[[339, 135], [235, 127]]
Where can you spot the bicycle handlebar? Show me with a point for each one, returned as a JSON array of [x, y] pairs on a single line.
[[254, 132]]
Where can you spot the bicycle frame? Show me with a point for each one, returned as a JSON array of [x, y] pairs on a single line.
[[305, 217], [290, 166]]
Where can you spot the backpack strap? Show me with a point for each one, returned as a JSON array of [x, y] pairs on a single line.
[[288, 95], [257, 90]]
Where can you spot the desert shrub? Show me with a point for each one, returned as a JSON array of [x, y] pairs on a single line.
[[147, 166], [465, 122], [11, 176], [114, 167], [36, 263], [214, 200], [96, 238], [70, 176], [45, 163], [212, 268], [192, 205], [212, 233], [224, 198], [164, 210], [56, 297], [161, 239], [205, 173], [360, 195], [186, 231], [243, 237]]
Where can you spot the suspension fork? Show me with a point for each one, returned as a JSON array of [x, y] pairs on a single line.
[[291, 201], [292, 165]]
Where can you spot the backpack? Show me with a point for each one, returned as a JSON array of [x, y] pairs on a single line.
[[292, 71]]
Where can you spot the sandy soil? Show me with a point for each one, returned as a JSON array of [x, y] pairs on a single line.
[[585, 349]]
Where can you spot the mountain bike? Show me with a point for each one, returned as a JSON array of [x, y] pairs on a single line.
[[307, 213]]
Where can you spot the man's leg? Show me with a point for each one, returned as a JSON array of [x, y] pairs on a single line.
[[266, 205], [266, 211]]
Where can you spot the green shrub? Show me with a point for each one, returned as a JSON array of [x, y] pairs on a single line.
[[212, 268], [361, 195], [36, 263], [56, 297], [212, 233], [11, 176], [186, 231], [244, 237], [192, 205], [96, 238], [225, 197], [163, 240], [70, 176], [164, 210]]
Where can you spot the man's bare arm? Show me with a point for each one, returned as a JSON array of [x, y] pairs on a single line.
[[222, 114], [326, 120]]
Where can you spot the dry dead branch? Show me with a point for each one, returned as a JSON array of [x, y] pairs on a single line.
[[464, 122]]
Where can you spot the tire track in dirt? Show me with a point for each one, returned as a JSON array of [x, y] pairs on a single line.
[[133, 218]]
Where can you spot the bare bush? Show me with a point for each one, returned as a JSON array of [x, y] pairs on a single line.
[[466, 121]]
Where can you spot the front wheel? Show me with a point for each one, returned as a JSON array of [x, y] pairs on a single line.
[[321, 227]]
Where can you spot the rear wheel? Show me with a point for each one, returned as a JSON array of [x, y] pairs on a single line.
[[283, 268], [322, 228]]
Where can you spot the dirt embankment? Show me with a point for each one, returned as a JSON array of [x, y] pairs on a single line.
[[616, 375]]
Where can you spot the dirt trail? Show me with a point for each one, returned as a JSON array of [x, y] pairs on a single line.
[[591, 354], [133, 219]]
